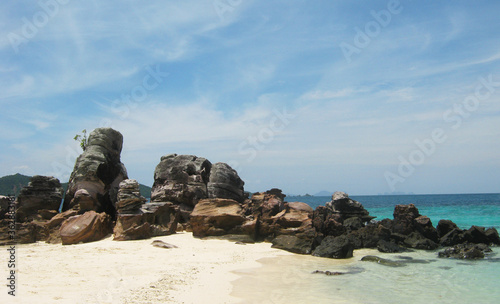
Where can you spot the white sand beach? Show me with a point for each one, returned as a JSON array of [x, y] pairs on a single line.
[[107, 271]]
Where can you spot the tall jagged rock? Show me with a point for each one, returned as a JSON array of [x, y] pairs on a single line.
[[42, 192], [98, 172], [224, 182]]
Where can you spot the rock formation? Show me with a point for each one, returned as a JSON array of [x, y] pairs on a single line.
[[224, 182], [343, 207], [184, 180], [42, 192], [98, 171], [216, 217], [139, 220], [37, 203]]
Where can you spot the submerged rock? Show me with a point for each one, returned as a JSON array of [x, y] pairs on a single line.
[[382, 261], [466, 251]]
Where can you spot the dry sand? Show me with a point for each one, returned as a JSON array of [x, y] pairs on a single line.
[[198, 271]]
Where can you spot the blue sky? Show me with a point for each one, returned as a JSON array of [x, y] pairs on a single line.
[[359, 96]]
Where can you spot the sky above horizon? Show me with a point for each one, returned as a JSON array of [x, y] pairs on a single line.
[[364, 97]]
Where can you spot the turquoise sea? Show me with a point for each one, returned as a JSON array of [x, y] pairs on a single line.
[[425, 278]]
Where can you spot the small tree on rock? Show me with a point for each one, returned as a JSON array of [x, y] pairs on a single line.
[[82, 139]]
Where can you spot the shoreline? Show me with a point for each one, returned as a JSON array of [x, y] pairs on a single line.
[[129, 272]]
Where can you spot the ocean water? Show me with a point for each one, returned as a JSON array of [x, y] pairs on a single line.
[[423, 278]]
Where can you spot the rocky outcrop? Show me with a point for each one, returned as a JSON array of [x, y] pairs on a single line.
[[139, 220], [224, 182], [342, 207], [42, 192], [129, 197], [37, 203], [216, 217], [293, 228], [184, 180], [98, 171], [88, 227]]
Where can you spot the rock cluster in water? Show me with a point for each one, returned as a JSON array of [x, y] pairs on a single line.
[[191, 193]]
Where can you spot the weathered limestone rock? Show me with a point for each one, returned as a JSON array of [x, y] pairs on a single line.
[[224, 182], [129, 197], [98, 171], [152, 219], [42, 192], [88, 227], [181, 179]]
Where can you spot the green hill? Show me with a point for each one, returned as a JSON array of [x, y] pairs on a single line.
[[12, 185]]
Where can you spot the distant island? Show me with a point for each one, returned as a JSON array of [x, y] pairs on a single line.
[[12, 185]]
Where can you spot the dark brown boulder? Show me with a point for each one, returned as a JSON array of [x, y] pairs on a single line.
[[339, 247], [293, 243], [88, 227], [423, 225], [444, 227], [454, 237], [98, 171], [418, 241], [404, 219], [216, 217]]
